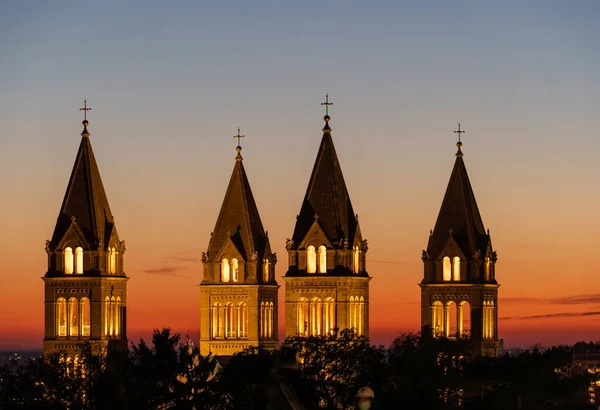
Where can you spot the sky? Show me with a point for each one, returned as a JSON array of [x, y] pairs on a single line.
[[169, 83]]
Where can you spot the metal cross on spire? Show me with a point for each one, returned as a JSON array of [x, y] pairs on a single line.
[[85, 109], [459, 132], [239, 137], [327, 104]]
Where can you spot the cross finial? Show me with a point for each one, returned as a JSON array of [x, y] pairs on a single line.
[[327, 104], [459, 131], [239, 146], [85, 109]]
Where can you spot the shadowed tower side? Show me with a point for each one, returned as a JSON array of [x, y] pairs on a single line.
[[459, 291], [327, 284], [85, 285], [238, 294]]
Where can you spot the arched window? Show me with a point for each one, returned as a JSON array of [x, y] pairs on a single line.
[[85, 317], [73, 317], [311, 259], [489, 320], [79, 260], [117, 313], [302, 316], [217, 321], [352, 323], [107, 317], [68, 263], [447, 269], [488, 269], [456, 268], [113, 261], [356, 259], [224, 270], [322, 259], [316, 317], [360, 329], [266, 271], [61, 316], [270, 320], [242, 320], [437, 318], [329, 319], [229, 321], [234, 270], [263, 320], [464, 319], [111, 313], [450, 325]]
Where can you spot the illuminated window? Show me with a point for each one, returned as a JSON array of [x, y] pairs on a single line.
[[464, 319], [73, 317], [329, 319], [322, 259], [111, 312], [311, 259], [217, 321], [488, 269], [316, 317], [107, 317], [224, 270], [61, 316], [117, 313], [456, 268], [353, 319], [263, 320], [113, 261], [302, 316], [437, 318], [451, 319], [489, 320], [234, 270], [266, 269], [229, 321], [79, 260], [85, 317], [270, 320], [360, 329], [242, 320], [447, 269], [356, 259], [68, 264]]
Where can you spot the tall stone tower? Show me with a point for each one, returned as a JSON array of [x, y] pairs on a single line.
[[85, 285], [327, 284], [459, 291], [238, 295]]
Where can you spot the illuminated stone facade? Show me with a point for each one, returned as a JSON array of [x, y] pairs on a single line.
[[327, 284], [459, 291], [85, 285], [239, 293]]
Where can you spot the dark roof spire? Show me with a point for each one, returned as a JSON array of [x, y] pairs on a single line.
[[326, 195], [85, 201], [239, 217], [459, 215]]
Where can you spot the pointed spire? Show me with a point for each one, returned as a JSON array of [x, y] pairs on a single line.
[[85, 201], [459, 215], [239, 218], [327, 195]]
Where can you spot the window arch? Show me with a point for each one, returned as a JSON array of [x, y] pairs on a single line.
[[111, 315], [311, 259], [224, 270], [302, 316], [353, 322], [73, 317], [117, 313], [356, 259], [329, 319], [322, 259], [456, 268], [111, 261], [79, 260], [107, 317], [437, 318], [61, 316], [266, 270], [361, 317], [447, 269], [464, 319], [263, 320], [68, 260], [85, 317], [270, 320], [234, 270], [217, 321], [488, 269], [229, 321], [242, 320], [316, 317]]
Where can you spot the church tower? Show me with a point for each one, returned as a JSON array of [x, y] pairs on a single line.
[[459, 291], [85, 285], [327, 284], [238, 295]]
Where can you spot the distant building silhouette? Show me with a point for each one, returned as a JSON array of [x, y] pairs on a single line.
[[239, 293], [327, 284], [85, 285], [459, 270]]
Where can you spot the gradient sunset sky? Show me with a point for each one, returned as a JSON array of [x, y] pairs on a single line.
[[170, 82]]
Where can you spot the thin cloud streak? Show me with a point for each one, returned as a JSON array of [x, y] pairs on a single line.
[[552, 315], [166, 271], [565, 300]]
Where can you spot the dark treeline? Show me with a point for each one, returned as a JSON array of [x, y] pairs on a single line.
[[412, 373]]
